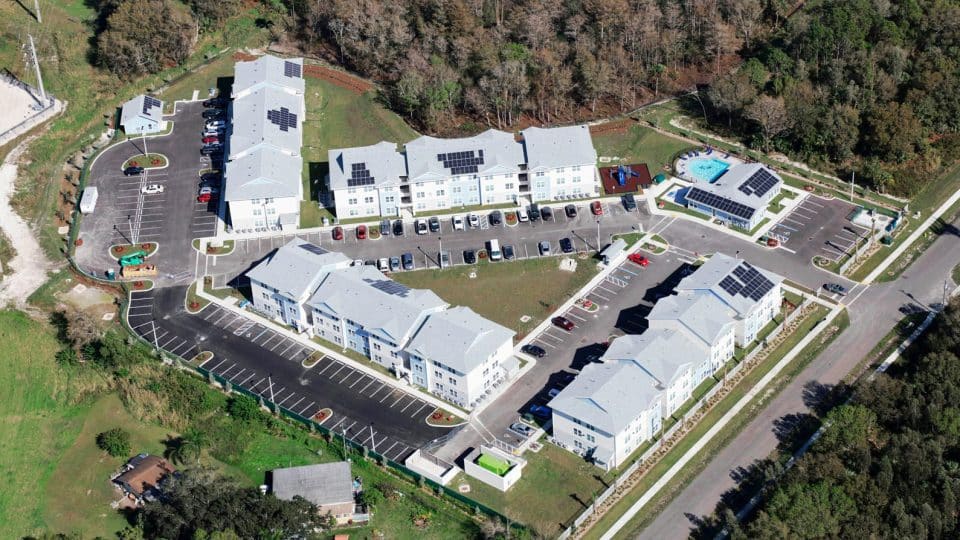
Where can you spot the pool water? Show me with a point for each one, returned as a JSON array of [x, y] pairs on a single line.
[[706, 169]]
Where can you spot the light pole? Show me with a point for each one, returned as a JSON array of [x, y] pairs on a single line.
[[270, 386], [373, 440], [343, 437], [440, 254], [598, 234]]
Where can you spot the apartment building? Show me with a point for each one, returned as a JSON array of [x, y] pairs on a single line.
[[367, 180], [561, 162]]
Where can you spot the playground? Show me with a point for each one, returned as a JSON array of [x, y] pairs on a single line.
[[623, 179]]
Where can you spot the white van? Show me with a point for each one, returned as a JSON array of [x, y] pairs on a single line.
[[494, 250]]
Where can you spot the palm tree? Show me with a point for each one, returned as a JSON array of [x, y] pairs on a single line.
[[187, 446]]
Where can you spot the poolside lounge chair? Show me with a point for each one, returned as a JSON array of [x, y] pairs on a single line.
[[709, 151], [727, 155]]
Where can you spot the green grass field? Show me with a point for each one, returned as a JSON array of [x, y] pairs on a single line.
[[505, 291], [340, 118], [640, 145]]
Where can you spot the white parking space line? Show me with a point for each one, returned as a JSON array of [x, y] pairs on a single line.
[[211, 314], [296, 352], [243, 382], [224, 372], [268, 340], [387, 451], [258, 335], [342, 420], [222, 317], [334, 374], [386, 396], [348, 428], [292, 343], [595, 293], [356, 381], [332, 363], [292, 405], [256, 384], [416, 412], [811, 202], [401, 398], [570, 314], [377, 391], [545, 344], [408, 405], [372, 380], [400, 452], [551, 336], [351, 373], [169, 341], [305, 408], [606, 289], [279, 343], [286, 398], [237, 375], [175, 349]]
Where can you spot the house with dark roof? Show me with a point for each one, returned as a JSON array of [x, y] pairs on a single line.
[[141, 479]]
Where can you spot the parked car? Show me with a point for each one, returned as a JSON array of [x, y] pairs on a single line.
[[212, 132], [151, 189], [215, 124], [204, 197], [213, 113], [444, 259], [398, 227], [566, 245], [458, 223], [508, 253], [420, 226], [495, 218], [338, 233], [546, 213], [534, 212], [540, 411], [213, 190], [132, 171], [553, 392], [564, 323], [383, 264], [570, 210], [407, 260], [544, 247], [835, 288], [629, 202], [214, 102], [521, 429], [470, 256], [434, 224], [210, 139], [361, 232], [358, 262], [534, 350], [394, 264], [210, 150], [473, 220], [210, 177], [596, 208], [522, 215], [639, 259], [385, 227]]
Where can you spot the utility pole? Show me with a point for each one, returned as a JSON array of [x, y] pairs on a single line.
[[853, 176], [36, 67], [36, 8]]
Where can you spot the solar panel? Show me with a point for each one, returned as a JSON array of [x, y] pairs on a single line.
[[150, 102], [759, 183], [749, 283], [722, 204], [360, 176], [463, 162], [283, 118], [389, 286], [316, 250], [291, 69]]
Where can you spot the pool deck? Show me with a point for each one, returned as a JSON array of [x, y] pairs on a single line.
[[681, 164]]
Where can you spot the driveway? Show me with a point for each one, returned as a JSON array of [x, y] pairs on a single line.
[[256, 357], [172, 218]]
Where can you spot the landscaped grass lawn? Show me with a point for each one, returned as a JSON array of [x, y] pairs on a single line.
[[505, 291], [640, 145], [555, 487], [340, 118]]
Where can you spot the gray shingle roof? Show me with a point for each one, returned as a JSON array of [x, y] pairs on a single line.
[[134, 108], [325, 483], [607, 396], [250, 125], [558, 147], [366, 296], [267, 70], [384, 163], [703, 315], [459, 338], [664, 354], [264, 172], [711, 273], [295, 269], [502, 154]]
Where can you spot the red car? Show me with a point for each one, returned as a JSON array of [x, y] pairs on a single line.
[[211, 139], [361, 232], [564, 323], [596, 208], [639, 259], [204, 197], [338, 233]]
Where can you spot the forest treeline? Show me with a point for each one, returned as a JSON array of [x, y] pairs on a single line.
[[889, 464]]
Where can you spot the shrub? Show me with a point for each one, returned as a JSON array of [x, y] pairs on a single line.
[[243, 408], [115, 442]]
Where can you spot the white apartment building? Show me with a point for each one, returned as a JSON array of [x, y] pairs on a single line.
[[671, 359], [561, 162], [366, 180], [263, 170], [701, 317], [607, 412], [753, 294], [360, 308], [460, 356], [282, 283]]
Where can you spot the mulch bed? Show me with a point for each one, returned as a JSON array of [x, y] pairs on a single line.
[[611, 128], [243, 57], [634, 184], [339, 78]]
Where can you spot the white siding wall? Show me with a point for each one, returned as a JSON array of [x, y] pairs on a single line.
[[359, 202], [499, 188], [579, 180], [762, 313], [583, 437], [255, 213]]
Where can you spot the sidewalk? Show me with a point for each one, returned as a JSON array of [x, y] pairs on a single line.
[[301, 339]]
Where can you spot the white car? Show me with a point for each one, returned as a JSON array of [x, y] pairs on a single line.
[[421, 226], [473, 220], [151, 189], [458, 223], [522, 215], [383, 264]]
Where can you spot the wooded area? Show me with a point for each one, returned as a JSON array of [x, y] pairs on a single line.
[[889, 464]]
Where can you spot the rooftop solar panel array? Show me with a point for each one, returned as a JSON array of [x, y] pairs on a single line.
[[759, 183], [150, 102], [462, 162], [360, 176], [746, 281], [722, 204], [283, 118], [316, 250], [389, 286], [291, 69]]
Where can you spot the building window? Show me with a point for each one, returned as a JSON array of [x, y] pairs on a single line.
[[388, 199], [576, 179], [452, 381], [508, 185], [368, 200], [576, 168], [352, 201], [352, 191], [539, 174], [353, 212], [421, 194], [488, 187], [440, 193]]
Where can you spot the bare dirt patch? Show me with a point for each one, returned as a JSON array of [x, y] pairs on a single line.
[[339, 78]]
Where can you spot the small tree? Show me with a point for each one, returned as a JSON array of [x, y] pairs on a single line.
[[371, 497], [115, 442], [243, 408]]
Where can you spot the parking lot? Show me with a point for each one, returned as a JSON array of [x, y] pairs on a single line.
[[256, 357], [819, 227], [173, 218]]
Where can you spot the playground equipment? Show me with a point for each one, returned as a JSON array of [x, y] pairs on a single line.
[[133, 259], [623, 172]]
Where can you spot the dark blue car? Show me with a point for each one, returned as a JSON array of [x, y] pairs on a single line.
[[541, 411]]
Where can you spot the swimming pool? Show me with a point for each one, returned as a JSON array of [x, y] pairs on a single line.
[[706, 169]]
